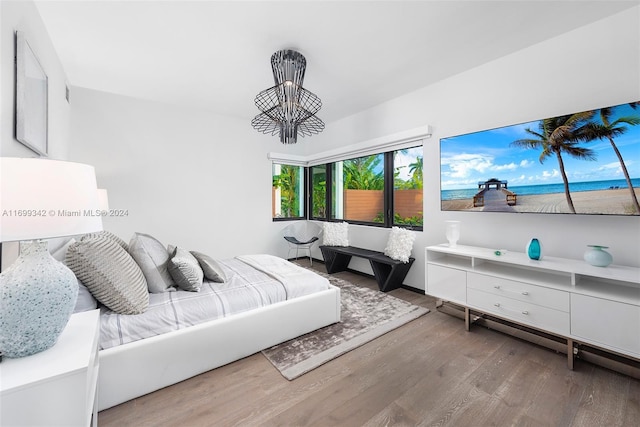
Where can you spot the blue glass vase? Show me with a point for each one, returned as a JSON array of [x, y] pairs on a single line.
[[534, 249]]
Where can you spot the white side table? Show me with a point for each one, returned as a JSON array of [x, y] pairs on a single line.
[[56, 386]]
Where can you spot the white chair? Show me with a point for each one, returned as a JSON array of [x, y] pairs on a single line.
[[301, 235]]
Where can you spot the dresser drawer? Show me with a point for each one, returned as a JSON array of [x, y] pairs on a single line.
[[525, 292], [522, 312]]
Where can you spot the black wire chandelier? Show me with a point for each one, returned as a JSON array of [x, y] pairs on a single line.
[[288, 108]]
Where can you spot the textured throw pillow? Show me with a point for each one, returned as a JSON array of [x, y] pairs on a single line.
[[152, 257], [400, 244], [109, 235], [212, 270], [335, 234], [185, 270], [85, 300], [110, 274]]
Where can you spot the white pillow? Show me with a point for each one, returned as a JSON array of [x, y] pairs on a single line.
[[335, 234], [153, 259], [85, 301], [211, 269], [184, 269], [60, 253], [400, 244]]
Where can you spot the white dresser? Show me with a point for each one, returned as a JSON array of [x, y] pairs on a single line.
[[56, 386], [599, 306]]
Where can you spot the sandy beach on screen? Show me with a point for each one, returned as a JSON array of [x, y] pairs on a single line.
[[615, 202]]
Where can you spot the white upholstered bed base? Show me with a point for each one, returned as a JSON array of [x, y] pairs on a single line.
[[135, 369]]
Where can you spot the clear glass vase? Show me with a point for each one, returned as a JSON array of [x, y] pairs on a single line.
[[452, 232]]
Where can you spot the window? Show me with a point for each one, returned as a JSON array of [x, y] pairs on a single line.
[[287, 192], [407, 187], [381, 189], [359, 187], [319, 191]]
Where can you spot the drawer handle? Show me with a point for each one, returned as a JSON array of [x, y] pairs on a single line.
[[509, 290], [525, 312]]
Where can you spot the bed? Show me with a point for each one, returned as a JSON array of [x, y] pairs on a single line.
[[270, 301], [139, 367]]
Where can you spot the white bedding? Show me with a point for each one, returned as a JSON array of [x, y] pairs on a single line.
[[252, 281]]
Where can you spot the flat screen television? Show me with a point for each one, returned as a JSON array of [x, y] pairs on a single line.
[[580, 163]]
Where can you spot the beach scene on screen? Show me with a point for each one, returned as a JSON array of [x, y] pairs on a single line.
[[580, 163]]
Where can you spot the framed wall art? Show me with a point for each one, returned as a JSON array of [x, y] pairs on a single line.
[[31, 98]]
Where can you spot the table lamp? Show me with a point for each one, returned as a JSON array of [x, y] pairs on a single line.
[[41, 199], [103, 201]]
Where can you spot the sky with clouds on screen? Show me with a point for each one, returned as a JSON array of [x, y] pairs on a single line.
[[468, 159]]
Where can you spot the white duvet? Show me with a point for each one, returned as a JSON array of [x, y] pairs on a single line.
[[252, 281]]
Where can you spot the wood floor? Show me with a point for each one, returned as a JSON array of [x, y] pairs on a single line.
[[428, 372]]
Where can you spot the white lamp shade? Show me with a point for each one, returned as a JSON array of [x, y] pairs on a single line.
[[42, 198], [103, 199]]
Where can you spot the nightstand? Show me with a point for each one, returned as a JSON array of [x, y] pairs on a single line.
[[57, 386]]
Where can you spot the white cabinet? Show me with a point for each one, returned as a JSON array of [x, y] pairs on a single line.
[[610, 324], [448, 283], [56, 386], [593, 305]]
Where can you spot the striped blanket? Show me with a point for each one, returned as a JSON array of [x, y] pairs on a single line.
[[252, 281]]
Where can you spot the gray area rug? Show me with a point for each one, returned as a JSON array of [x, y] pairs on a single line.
[[366, 314]]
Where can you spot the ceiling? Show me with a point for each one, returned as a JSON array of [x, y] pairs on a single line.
[[215, 55]]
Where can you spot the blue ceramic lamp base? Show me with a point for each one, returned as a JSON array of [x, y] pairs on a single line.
[[37, 295]]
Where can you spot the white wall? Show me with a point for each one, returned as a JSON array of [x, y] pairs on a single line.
[[187, 177], [594, 66], [23, 16], [203, 181]]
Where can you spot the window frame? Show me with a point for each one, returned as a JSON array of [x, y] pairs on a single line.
[[304, 195], [388, 194]]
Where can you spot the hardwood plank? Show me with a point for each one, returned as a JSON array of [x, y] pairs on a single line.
[[632, 405], [445, 368], [428, 372], [560, 393], [391, 415], [601, 403], [499, 366]]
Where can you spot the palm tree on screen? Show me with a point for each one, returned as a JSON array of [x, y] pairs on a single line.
[[610, 130], [561, 135]]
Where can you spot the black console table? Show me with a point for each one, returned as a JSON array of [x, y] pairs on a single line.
[[389, 273]]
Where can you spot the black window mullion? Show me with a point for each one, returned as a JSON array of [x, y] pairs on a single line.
[[305, 184], [388, 189], [328, 191]]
